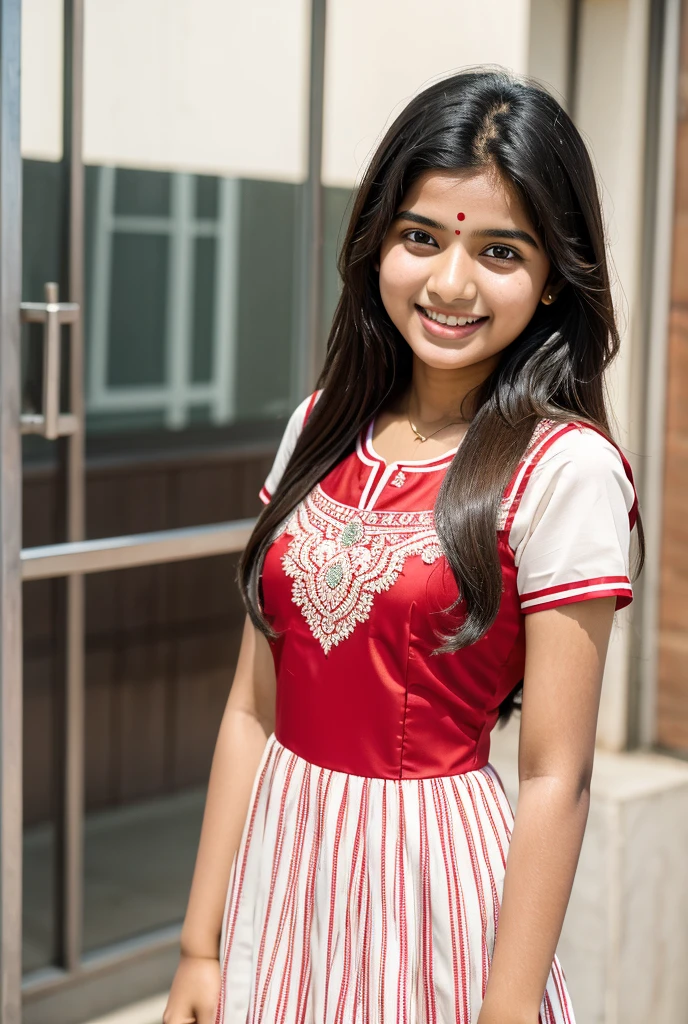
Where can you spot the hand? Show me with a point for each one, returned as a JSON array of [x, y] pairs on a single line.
[[195, 992]]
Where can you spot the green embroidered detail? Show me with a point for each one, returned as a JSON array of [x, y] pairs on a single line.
[[351, 534], [333, 576]]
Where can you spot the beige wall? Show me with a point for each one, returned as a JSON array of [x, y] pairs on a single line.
[[199, 85], [380, 54], [41, 93], [549, 45]]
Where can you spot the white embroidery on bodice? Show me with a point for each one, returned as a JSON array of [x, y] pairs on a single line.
[[340, 557]]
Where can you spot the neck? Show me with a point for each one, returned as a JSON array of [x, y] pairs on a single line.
[[437, 394]]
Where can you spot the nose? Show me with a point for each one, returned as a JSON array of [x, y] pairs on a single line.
[[452, 278]]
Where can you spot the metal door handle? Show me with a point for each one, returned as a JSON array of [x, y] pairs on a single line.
[[50, 423]]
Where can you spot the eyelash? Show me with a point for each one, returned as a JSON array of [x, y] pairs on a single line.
[[514, 255], [501, 259]]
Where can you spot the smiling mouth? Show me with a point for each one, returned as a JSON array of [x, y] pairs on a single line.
[[449, 321]]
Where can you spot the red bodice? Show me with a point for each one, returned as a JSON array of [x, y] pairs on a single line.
[[356, 584]]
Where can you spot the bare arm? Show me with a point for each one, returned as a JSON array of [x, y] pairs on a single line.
[[565, 652], [246, 724]]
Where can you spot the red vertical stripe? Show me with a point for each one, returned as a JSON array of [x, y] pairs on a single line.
[[464, 954], [344, 987], [426, 919], [333, 892], [440, 812], [477, 877], [305, 976], [402, 978], [486, 853], [383, 904]]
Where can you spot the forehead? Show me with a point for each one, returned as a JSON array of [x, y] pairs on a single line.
[[478, 194]]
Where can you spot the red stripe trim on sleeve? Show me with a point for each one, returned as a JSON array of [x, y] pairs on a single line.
[[264, 495], [592, 582], [584, 590], [623, 598]]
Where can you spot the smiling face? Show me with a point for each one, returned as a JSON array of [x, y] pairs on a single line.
[[461, 269]]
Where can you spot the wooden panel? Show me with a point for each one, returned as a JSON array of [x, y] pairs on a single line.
[[141, 707], [672, 698], [204, 676], [100, 728], [39, 745]]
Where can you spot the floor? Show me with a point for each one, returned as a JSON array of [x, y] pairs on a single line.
[[138, 862]]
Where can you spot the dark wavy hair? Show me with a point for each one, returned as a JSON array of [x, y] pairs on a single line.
[[484, 118]]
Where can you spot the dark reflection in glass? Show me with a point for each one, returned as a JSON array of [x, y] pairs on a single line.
[[207, 197], [142, 193], [204, 309], [137, 310], [40, 791]]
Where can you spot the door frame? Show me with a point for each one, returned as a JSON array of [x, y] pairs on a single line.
[[11, 720]]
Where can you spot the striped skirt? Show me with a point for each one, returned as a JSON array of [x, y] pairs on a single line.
[[359, 900]]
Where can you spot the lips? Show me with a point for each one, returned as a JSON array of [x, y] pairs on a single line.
[[451, 331], [450, 319]]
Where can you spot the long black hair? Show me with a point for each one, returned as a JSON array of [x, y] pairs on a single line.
[[485, 118]]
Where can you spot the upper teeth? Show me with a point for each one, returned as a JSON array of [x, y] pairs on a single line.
[[450, 321]]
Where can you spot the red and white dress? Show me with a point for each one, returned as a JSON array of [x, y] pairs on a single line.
[[367, 884]]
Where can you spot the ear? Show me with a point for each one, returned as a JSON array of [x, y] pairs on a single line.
[[376, 264], [551, 292]]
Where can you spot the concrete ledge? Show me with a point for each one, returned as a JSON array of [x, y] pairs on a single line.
[[624, 945]]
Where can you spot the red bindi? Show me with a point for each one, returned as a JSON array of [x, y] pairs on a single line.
[[461, 216], [457, 232]]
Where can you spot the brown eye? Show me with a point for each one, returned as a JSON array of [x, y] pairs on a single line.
[[420, 237], [502, 252]]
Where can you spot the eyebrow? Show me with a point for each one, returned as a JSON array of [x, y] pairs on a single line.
[[418, 218], [511, 234], [514, 234]]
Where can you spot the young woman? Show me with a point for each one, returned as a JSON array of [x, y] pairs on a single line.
[[447, 522]]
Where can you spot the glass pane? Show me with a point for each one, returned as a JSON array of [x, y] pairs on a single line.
[[137, 311], [161, 647], [192, 226]]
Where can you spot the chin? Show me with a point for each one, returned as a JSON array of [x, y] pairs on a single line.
[[440, 357]]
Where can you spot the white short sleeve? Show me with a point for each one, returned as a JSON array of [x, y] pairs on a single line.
[[571, 530], [286, 446]]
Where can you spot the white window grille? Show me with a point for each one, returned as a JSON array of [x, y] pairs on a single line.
[[179, 392]]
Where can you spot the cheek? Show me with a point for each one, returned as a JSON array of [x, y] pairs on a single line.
[[399, 277], [514, 294]]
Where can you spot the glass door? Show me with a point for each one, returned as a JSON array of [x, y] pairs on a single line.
[[160, 309]]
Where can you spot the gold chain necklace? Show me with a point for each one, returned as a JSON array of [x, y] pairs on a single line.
[[426, 437]]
